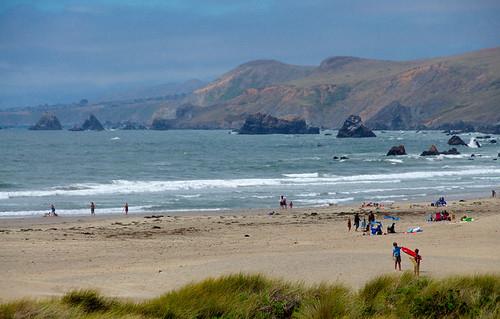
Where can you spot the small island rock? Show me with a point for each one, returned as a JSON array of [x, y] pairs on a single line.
[[397, 150], [266, 124], [431, 152], [354, 127], [90, 124], [434, 151], [456, 140], [47, 122]]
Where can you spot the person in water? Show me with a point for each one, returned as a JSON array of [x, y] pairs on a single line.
[[396, 254], [92, 208], [356, 221], [125, 208]]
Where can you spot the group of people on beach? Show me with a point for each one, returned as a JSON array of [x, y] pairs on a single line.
[[92, 206], [283, 203], [357, 222]]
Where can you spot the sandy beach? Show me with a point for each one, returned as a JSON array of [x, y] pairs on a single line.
[[142, 256]]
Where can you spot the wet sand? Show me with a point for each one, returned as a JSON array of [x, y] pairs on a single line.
[[142, 256]]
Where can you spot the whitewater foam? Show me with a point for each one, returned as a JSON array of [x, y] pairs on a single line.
[[132, 187]]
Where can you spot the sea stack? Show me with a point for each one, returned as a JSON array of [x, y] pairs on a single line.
[[456, 140], [434, 151], [354, 127], [90, 124], [397, 150], [48, 122], [266, 124]]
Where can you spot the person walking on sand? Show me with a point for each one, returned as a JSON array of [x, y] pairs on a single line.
[[416, 262], [52, 210], [125, 208], [356, 221], [349, 224], [92, 208], [396, 254]]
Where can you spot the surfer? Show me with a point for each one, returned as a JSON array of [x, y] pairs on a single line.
[[92, 208], [396, 254]]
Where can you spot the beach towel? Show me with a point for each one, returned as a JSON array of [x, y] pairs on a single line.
[[391, 217], [417, 229]]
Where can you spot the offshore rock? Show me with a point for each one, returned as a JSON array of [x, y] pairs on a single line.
[[266, 124], [47, 122], [397, 150], [90, 124], [434, 151], [456, 140], [431, 152], [354, 127]]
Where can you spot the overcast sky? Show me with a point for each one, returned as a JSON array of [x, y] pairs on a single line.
[[63, 50]]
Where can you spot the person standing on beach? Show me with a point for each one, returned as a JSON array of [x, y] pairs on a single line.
[[493, 193], [92, 208], [396, 254], [53, 210], [416, 262], [371, 217], [125, 208], [349, 224], [291, 205], [356, 221]]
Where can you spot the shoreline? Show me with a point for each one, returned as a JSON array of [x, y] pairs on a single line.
[[253, 210], [138, 256]]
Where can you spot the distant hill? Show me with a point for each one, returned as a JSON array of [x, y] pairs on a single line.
[[429, 93], [387, 94]]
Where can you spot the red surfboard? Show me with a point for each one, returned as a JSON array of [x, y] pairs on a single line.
[[408, 251]]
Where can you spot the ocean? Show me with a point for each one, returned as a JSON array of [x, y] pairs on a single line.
[[188, 170]]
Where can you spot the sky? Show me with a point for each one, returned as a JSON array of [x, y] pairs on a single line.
[[59, 51]]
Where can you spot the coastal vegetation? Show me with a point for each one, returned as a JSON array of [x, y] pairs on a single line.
[[255, 296]]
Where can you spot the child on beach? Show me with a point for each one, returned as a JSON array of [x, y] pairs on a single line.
[[396, 254], [416, 262], [349, 225]]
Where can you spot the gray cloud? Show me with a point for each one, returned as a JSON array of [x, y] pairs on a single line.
[[53, 51]]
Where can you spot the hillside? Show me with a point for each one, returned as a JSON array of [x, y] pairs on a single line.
[[389, 95], [386, 94]]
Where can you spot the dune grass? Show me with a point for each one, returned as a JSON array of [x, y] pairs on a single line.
[[255, 296]]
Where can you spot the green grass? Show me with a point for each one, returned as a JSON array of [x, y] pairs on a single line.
[[255, 296]]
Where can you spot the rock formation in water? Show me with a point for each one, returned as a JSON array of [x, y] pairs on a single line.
[[90, 124], [397, 150], [48, 122], [267, 124], [161, 124], [456, 140], [354, 127], [434, 151]]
